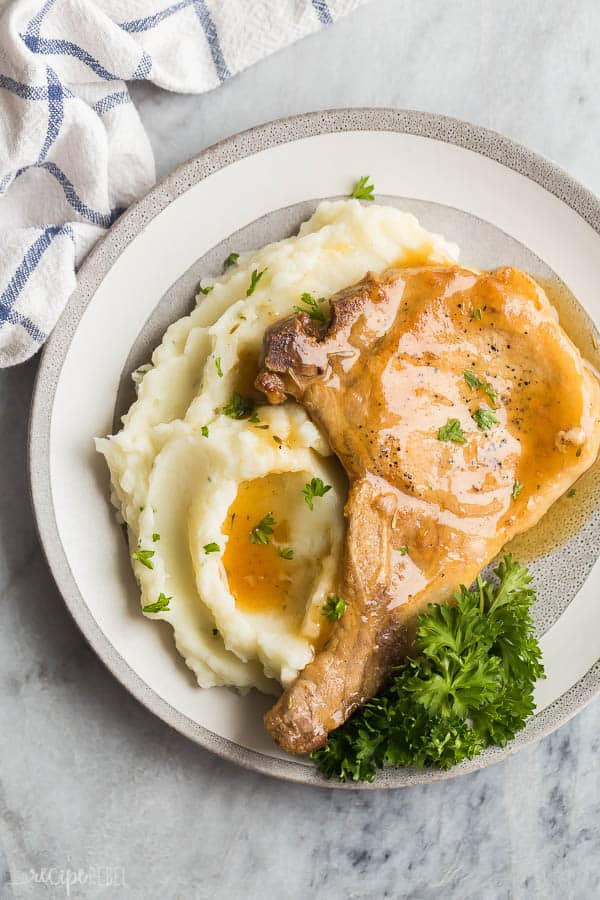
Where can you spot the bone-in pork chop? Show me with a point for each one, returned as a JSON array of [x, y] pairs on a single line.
[[460, 411]]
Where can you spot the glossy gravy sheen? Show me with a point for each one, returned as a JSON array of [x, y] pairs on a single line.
[[568, 515]]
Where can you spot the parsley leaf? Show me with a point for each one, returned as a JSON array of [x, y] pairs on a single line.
[[254, 279], [571, 492], [261, 533], [469, 685], [144, 557], [238, 407], [334, 608], [516, 490], [476, 383], [484, 418], [218, 366], [285, 552], [403, 550], [452, 431], [211, 548], [231, 260], [161, 605], [314, 488], [363, 190], [156, 536], [476, 314], [206, 290], [312, 307], [204, 431]]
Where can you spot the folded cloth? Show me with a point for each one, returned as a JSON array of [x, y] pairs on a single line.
[[73, 152]]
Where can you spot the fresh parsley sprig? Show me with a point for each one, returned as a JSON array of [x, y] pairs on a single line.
[[160, 605], [314, 488], [452, 431], [469, 685], [254, 279], [334, 608], [476, 384], [311, 307], [363, 190], [261, 533], [238, 407], [144, 557]]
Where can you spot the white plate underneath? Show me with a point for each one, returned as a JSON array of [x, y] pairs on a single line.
[[500, 202]]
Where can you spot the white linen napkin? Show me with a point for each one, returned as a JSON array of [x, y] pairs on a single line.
[[73, 152]]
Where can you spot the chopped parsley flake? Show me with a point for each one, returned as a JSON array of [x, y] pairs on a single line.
[[476, 383], [484, 418], [144, 557], [161, 605], [571, 492], [238, 407], [517, 489], [363, 190], [218, 366], [452, 431], [476, 314], [261, 533], [314, 488], [206, 290], [311, 307], [285, 552], [211, 548], [254, 279], [334, 608], [231, 260], [204, 431], [156, 536], [403, 550]]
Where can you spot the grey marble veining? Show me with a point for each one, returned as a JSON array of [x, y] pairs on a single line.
[[88, 778]]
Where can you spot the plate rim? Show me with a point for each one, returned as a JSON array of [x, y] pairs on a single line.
[[446, 129]]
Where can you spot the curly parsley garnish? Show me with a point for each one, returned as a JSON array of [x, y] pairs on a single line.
[[144, 557], [239, 407], [476, 384], [363, 190], [311, 307], [211, 548], [261, 533], [314, 488], [484, 418], [161, 605], [452, 431], [254, 279], [334, 608], [231, 260], [516, 489], [285, 552], [469, 685]]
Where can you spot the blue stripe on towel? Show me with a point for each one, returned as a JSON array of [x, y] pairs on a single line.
[[55, 112], [212, 36], [323, 12], [119, 98], [148, 22], [22, 274], [60, 47]]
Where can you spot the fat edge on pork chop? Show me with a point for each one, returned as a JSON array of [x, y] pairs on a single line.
[[460, 411]]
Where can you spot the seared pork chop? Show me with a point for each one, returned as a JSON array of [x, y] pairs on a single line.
[[460, 411]]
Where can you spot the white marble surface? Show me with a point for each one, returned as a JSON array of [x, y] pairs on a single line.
[[88, 778]]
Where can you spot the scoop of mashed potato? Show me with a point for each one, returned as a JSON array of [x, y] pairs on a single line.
[[227, 543]]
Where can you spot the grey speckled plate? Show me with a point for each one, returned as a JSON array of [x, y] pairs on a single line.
[[498, 201]]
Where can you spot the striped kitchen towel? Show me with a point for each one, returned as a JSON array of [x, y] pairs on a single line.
[[73, 152]]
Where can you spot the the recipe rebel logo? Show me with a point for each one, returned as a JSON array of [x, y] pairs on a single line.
[[68, 879]]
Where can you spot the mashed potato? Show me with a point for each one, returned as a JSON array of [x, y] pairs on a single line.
[[225, 546]]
